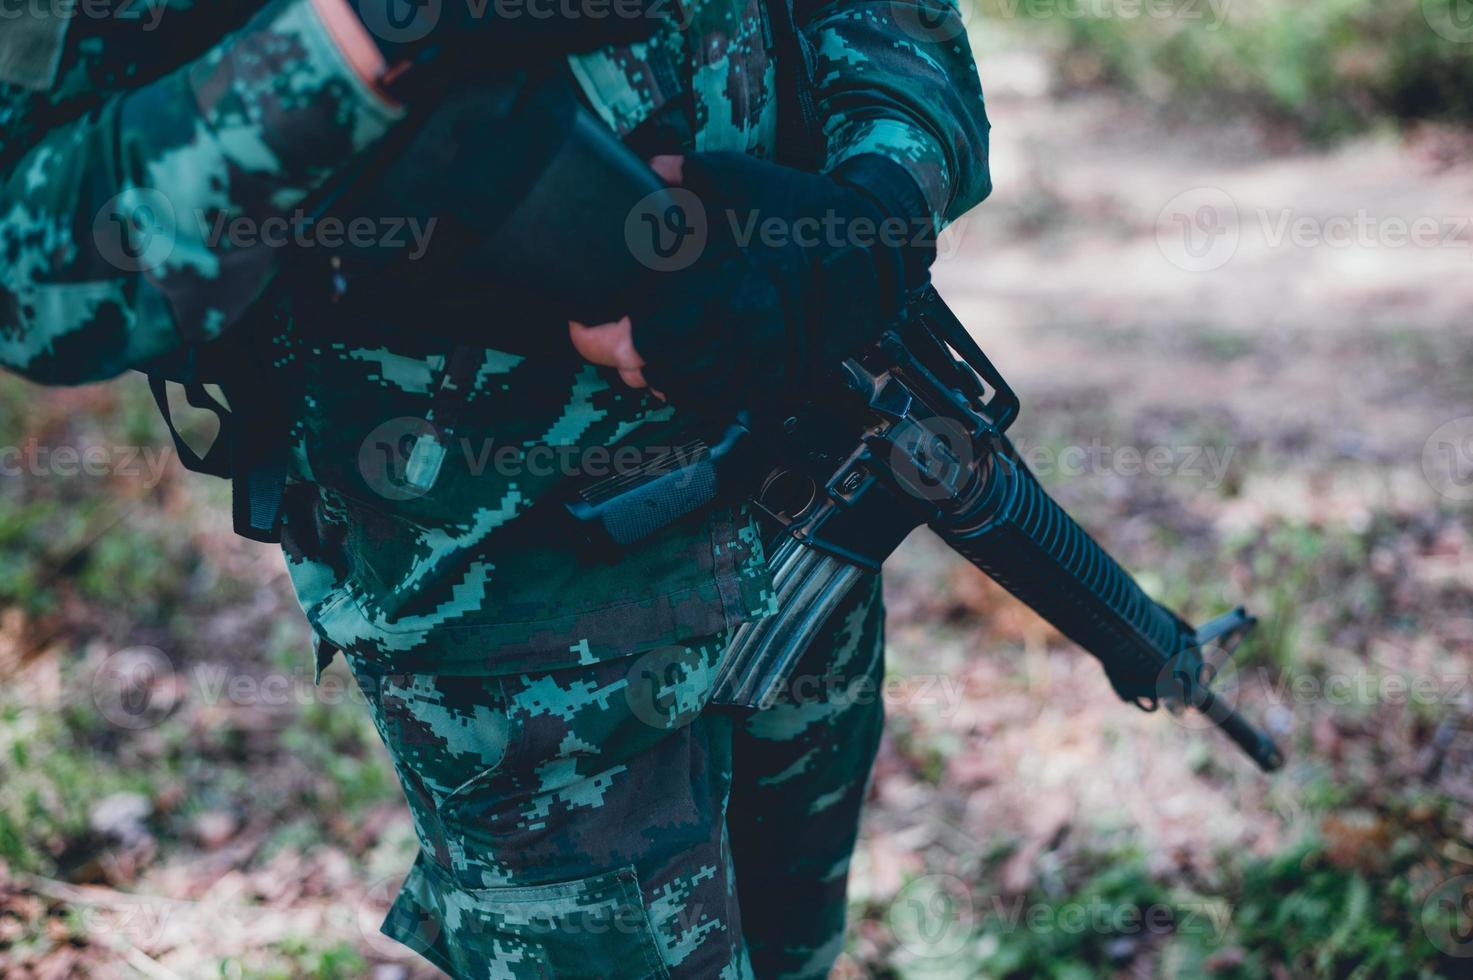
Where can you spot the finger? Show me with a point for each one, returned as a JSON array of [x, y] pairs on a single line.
[[607, 345], [670, 167], [633, 377], [622, 336], [611, 343]]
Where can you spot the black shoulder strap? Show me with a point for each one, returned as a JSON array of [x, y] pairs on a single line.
[[250, 448], [799, 137], [216, 460], [258, 448]]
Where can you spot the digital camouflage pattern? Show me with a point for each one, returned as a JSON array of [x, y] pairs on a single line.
[[414, 462], [678, 840], [581, 815], [152, 129]]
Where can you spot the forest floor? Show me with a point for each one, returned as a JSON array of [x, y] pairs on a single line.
[[1245, 364]]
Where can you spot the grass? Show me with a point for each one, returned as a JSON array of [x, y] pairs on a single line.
[[1327, 67], [1303, 909]]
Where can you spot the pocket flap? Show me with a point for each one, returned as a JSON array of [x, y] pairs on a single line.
[[593, 928]]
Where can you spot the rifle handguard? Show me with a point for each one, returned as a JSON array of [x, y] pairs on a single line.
[[1027, 544]]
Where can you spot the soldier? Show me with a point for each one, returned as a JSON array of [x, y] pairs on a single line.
[[583, 810]]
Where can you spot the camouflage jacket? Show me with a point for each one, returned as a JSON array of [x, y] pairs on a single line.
[[131, 132]]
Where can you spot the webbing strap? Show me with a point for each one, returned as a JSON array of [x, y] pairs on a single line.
[[799, 135], [217, 459]]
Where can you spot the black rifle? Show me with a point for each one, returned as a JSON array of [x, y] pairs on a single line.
[[912, 432]]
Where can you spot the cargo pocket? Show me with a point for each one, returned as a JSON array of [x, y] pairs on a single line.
[[443, 733], [593, 928]]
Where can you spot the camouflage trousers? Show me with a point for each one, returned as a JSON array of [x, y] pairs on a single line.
[[607, 821]]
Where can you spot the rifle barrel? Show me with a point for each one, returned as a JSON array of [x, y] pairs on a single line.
[[1017, 534]]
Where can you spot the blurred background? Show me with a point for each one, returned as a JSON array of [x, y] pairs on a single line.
[[1228, 267]]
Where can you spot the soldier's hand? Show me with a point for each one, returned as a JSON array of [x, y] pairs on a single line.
[[612, 345], [507, 34], [798, 271]]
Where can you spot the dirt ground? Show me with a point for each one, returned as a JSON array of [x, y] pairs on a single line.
[[1234, 370], [1326, 361]]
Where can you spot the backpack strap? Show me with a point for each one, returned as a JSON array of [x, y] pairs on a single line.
[[799, 135], [216, 460], [252, 446], [258, 457], [250, 450]]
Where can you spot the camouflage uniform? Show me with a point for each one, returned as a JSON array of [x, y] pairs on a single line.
[[553, 798], [661, 837]]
